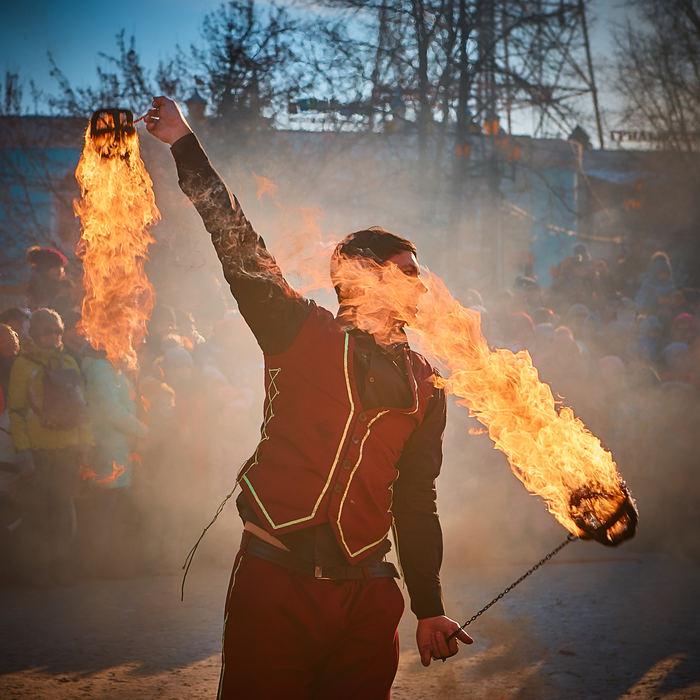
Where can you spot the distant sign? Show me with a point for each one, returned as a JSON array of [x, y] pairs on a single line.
[[642, 136]]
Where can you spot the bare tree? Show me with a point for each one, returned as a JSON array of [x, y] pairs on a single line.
[[12, 94], [246, 65], [122, 81], [657, 71], [459, 61]]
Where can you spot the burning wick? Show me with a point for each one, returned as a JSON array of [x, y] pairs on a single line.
[[116, 209], [144, 115]]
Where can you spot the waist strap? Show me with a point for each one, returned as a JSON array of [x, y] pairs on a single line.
[[258, 548]]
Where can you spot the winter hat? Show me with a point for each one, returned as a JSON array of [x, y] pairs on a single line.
[[578, 311], [44, 258]]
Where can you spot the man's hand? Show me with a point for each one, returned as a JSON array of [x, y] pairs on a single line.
[[431, 637], [165, 121]]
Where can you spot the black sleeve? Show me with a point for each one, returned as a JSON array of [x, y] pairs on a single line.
[[417, 531], [272, 309]]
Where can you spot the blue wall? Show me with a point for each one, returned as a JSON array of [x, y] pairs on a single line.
[[29, 178]]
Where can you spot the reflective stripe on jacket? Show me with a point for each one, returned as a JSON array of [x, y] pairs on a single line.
[[322, 457]]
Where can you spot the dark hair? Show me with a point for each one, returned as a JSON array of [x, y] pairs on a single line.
[[542, 314], [374, 243]]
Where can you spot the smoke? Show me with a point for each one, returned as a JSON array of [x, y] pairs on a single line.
[[315, 191]]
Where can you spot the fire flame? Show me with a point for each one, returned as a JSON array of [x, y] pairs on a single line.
[[87, 474], [116, 208], [117, 471], [548, 448], [265, 186], [304, 256]]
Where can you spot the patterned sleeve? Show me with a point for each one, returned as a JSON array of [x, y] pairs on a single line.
[[274, 311]]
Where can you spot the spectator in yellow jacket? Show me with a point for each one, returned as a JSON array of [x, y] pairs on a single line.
[[51, 435]]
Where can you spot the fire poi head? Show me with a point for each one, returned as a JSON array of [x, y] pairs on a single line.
[[116, 208], [111, 131]]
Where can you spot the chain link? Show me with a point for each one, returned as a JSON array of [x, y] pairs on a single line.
[[507, 590]]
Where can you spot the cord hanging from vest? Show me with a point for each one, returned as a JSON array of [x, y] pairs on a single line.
[[190, 555]]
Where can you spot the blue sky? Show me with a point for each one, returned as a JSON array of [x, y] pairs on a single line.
[[74, 32]]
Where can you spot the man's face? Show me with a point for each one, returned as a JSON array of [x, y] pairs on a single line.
[[411, 293], [382, 296], [56, 272], [49, 337], [406, 262]]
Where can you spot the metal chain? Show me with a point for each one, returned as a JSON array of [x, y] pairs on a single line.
[[507, 590]]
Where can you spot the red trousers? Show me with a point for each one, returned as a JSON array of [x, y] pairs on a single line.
[[288, 635]]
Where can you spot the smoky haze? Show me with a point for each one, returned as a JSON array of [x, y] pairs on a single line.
[[629, 372], [303, 192]]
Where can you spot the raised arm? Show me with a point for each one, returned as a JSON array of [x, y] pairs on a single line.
[[272, 309]]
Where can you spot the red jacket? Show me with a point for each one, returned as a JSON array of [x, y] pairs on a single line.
[[321, 457]]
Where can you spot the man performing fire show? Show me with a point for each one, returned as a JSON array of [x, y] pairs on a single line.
[[351, 445]]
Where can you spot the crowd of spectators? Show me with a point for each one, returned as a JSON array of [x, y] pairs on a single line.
[[107, 472]]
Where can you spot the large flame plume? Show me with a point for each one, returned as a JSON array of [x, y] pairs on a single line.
[[301, 249], [116, 208], [548, 448]]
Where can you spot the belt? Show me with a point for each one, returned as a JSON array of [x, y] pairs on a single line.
[[262, 550]]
